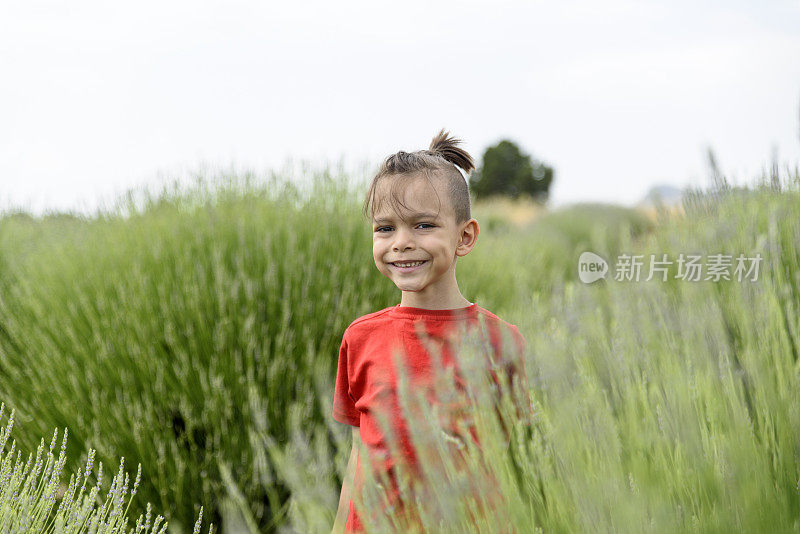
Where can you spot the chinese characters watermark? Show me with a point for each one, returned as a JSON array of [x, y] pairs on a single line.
[[687, 267]]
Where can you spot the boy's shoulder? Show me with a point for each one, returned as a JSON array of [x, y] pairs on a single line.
[[494, 318], [488, 313], [491, 318], [369, 320], [370, 324]]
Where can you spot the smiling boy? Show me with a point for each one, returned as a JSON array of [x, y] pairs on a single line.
[[427, 239], [419, 206]]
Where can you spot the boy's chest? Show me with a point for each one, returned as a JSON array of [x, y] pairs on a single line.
[[420, 356], [408, 346]]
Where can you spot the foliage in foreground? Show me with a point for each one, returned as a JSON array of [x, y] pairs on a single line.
[[655, 402], [184, 317], [185, 314], [29, 493], [661, 406]]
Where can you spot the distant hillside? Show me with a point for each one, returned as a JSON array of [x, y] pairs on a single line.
[[665, 195]]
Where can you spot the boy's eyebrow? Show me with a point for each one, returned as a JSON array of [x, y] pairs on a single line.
[[413, 216]]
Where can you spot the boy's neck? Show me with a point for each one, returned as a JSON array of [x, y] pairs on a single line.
[[415, 300]]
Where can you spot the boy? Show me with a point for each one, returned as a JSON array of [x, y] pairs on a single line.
[[418, 235]]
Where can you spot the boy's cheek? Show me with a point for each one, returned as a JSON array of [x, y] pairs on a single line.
[[383, 270]]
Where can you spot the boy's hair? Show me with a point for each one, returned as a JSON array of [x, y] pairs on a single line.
[[439, 160]]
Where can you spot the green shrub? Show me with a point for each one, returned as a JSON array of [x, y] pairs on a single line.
[[660, 406], [205, 327], [506, 171], [176, 329], [29, 493], [541, 256]]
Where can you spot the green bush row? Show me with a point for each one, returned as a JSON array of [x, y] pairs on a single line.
[[196, 333]]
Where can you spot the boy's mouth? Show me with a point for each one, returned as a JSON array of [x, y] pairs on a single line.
[[405, 266]]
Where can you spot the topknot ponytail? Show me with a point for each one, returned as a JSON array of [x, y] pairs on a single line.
[[447, 147], [441, 161]]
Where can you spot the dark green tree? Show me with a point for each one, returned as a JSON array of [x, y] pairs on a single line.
[[506, 170]]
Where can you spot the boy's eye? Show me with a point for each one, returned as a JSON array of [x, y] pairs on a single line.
[[389, 228]]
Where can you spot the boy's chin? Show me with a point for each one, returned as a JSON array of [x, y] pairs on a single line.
[[407, 289]]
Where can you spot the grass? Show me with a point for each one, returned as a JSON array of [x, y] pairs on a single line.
[[196, 332], [496, 214], [29, 492], [662, 406], [165, 333]]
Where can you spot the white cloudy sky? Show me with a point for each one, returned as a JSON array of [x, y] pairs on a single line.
[[618, 95]]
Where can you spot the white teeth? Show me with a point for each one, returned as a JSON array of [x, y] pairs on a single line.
[[412, 264]]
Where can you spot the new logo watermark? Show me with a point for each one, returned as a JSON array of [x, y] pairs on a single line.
[[591, 267], [688, 267]]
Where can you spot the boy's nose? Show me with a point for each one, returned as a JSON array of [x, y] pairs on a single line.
[[402, 240]]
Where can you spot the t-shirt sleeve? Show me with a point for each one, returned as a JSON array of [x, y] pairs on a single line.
[[344, 406]]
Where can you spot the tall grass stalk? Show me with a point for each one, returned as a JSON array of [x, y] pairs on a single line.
[[29, 493]]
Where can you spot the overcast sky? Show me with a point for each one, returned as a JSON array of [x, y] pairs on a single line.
[[617, 96]]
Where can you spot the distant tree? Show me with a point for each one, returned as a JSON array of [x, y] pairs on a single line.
[[506, 170]]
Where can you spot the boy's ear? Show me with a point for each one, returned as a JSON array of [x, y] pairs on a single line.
[[469, 236]]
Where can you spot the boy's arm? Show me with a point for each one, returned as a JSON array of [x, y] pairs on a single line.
[[347, 486]]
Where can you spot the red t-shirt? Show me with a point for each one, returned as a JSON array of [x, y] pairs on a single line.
[[366, 379]]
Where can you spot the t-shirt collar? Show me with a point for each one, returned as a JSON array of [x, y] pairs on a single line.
[[411, 312]]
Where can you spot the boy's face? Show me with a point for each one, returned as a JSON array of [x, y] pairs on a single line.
[[429, 235]]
